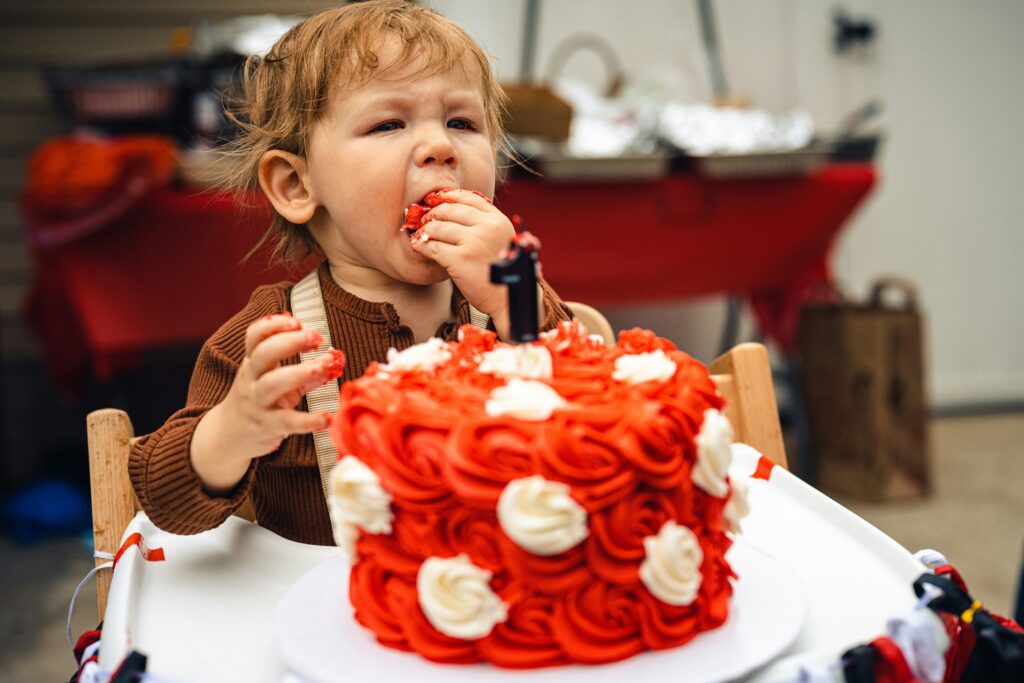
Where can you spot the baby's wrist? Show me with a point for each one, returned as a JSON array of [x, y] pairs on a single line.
[[219, 455], [502, 324]]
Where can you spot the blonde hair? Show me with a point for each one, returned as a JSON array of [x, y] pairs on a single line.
[[282, 95]]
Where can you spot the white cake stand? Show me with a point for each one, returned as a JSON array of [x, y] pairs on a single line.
[[319, 640]]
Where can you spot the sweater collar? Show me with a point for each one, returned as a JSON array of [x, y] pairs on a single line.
[[376, 311]]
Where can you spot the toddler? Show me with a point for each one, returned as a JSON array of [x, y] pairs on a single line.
[[354, 115]]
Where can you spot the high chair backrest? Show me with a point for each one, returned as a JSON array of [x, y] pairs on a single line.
[[742, 375], [593, 320]]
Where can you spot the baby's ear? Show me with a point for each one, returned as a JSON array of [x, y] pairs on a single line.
[[284, 179]]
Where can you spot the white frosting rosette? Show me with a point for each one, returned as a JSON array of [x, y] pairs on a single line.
[[456, 597], [566, 331], [671, 566], [424, 357], [540, 516], [714, 453], [637, 368], [527, 361], [345, 537], [737, 507], [357, 497], [524, 399]]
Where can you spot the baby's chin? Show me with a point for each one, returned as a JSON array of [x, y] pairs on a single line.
[[424, 273]]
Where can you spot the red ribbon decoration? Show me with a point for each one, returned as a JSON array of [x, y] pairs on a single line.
[[890, 665], [764, 468], [150, 555]]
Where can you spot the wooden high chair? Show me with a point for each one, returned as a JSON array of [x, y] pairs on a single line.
[[742, 375]]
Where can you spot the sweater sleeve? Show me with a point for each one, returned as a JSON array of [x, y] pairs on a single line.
[[160, 467]]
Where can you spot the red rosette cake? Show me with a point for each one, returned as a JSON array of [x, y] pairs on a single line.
[[535, 505]]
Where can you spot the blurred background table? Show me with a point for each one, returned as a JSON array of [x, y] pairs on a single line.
[[170, 271]]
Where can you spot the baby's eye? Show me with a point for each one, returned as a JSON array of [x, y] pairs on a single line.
[[387, 126], [461, 124]]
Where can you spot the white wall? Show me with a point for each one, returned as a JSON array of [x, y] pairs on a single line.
[[949, 212]]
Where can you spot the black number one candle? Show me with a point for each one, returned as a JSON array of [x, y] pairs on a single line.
[[518, 269]]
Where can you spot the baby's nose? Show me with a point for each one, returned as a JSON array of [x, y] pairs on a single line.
[[435, 147]]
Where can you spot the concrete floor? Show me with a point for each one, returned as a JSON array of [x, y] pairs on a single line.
[[976, 514], [976, 517]]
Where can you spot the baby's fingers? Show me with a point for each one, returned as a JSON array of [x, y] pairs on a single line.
[[288, 384], [452, 233], [290, 421], [267, 326], [277, 348], [467, 197]]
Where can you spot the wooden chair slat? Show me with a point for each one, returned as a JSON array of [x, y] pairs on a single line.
[[751, 396], [113, 501]]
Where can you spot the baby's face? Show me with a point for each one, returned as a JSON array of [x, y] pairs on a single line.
[[382, 147]]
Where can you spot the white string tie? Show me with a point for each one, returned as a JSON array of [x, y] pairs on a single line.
[[930, 558], [100, 555], [820, 673], [922, 639]]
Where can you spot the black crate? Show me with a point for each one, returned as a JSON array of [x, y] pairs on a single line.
[[170, 96]]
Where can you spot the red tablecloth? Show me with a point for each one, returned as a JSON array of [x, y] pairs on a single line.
[[169, 272], [620, 243]]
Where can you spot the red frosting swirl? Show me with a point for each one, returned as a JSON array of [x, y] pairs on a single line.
[[715, 588], [638, 340], [427, 640], [551, 574], [374, 592], [410, 463], [525, 641], [485, 455], [469, 531], [615, 548], [412, 540], [598, 623], [663, 626], [588, 458]]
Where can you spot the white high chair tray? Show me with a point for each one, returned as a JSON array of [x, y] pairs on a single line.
[[319, 640], [207, 612]]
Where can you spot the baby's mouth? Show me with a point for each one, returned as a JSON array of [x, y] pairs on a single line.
[[415, 214]]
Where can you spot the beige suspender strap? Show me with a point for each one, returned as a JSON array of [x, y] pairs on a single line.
[[308, 309], [477, 317]]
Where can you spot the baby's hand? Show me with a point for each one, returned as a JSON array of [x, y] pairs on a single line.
[[259, 410], [465, 237]]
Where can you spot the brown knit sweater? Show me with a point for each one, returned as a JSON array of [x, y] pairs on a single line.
[[285, 486]]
